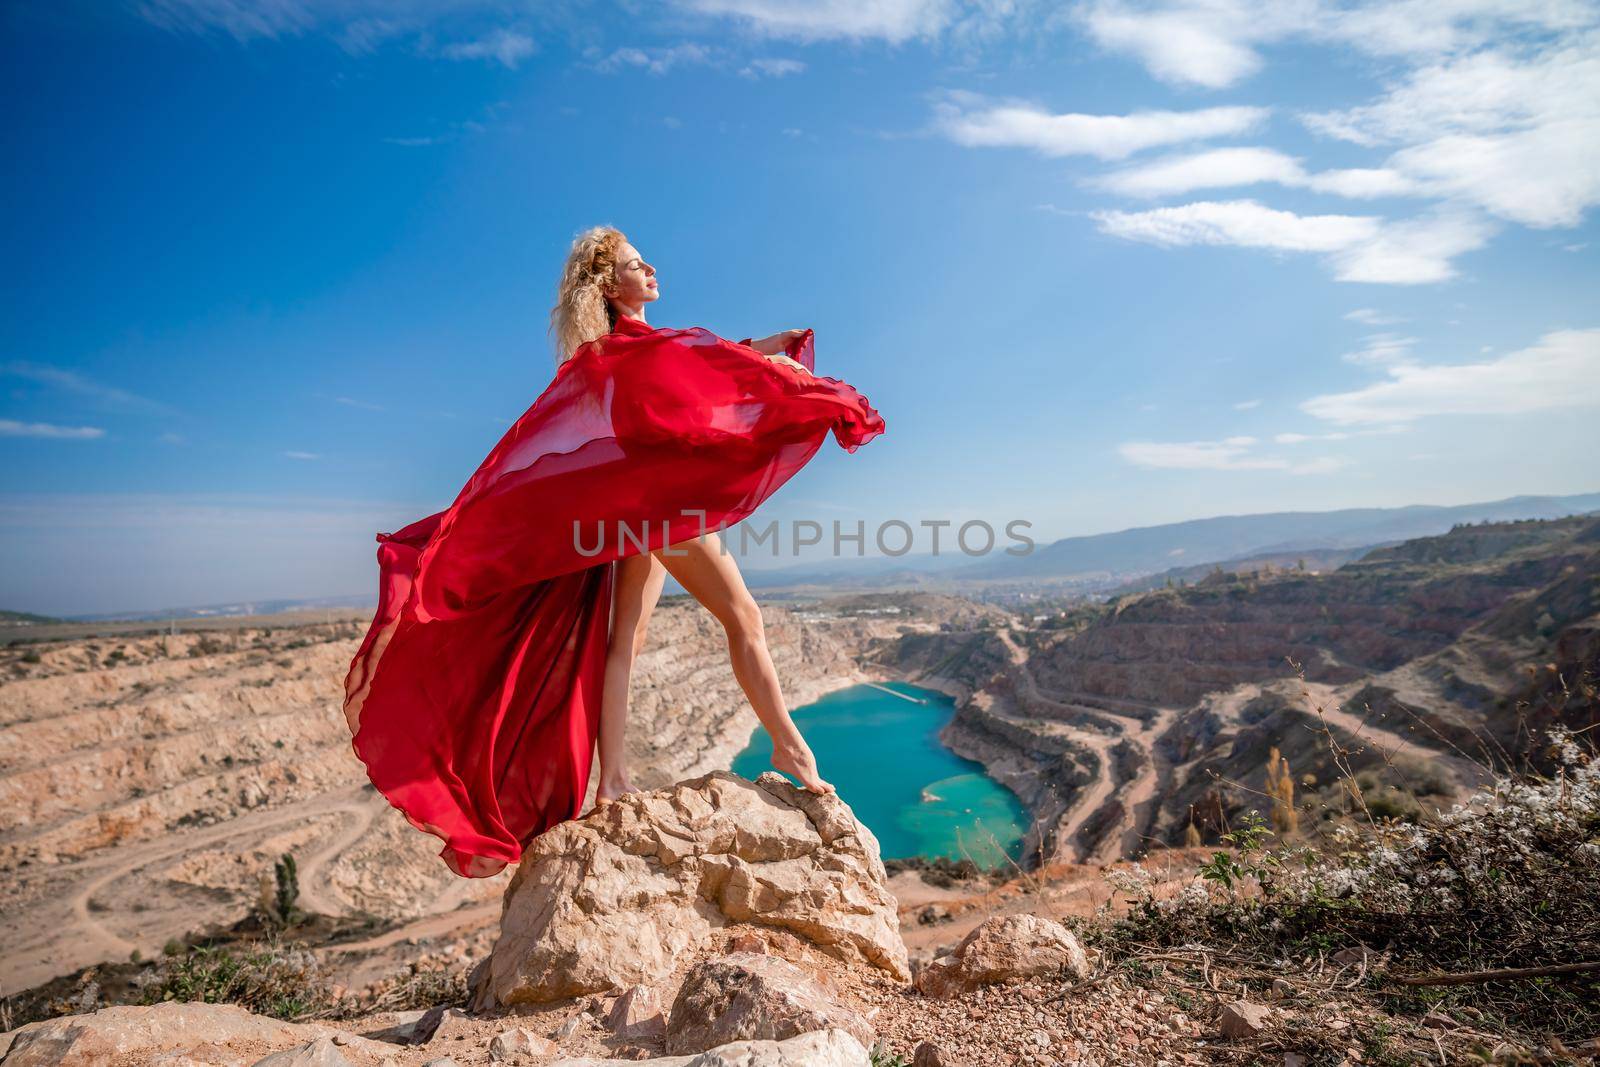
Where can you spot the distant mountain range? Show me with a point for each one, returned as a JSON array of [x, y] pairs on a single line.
[[1109, 559], [1097, 562]]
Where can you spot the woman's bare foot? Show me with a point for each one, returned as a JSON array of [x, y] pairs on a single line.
[[800, 763], [611, 787]]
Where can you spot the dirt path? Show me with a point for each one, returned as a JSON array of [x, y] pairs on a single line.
[[316, 892], [1098, 730], [1140, 795], [71, 931], [1324, 700]]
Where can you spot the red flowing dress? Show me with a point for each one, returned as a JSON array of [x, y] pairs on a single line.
[[474, 699]]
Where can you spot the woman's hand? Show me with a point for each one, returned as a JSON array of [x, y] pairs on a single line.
[[796, 364], [777, 343]]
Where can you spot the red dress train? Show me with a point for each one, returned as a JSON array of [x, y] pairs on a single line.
[[474, 699]]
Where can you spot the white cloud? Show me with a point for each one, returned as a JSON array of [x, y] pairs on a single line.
[[975, 121], [1372, 317], [1231, 454], [1494, 104], [350, 401], [241, 19], [1241, 223], [1414, 251], [1217, 168], [1516, 132], [656, 60], [506, 46], [1320, 465], [1302, 438], [13, 428], [100, 394], [890, 20], [772, 68], [1382, 348], [301, 455], [1361, 248], [1559, 372], [1246, 405], [1215, 43], [1221, 168], [1207, 44], [1228, 454], [359, 27]]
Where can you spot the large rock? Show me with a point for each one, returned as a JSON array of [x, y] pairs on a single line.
[[747, 996], [822, 1048], [131, 1034], [1004, 947], [620, 897]]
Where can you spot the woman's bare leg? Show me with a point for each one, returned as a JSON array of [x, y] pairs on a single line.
[[637, 586], [712, 577]]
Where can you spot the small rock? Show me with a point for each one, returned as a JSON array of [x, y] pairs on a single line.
[[820, 1048], [1242, 1019], [930, 1055], [1003, 948], [569, 1027], [745, 996], [439, 1023], [1352, 957], [323, 1052], [442, 1061], [510, 1045], [1282, 988], [1293, 1059], [636, 1016], [401, 1029], [746, 942]]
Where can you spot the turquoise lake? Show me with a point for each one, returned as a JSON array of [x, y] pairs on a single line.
[[882, 753]]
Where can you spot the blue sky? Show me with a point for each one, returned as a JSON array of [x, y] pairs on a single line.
[[279, 272]]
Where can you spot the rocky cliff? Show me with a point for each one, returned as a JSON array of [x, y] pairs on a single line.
[[149, 782], [1410, 665]]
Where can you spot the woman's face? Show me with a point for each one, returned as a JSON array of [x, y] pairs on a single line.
[[636, 279]]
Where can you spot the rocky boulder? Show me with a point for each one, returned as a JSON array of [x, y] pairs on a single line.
[[621, 897], [822, 1048], [747, 996], [129, 1034], [1001, 948]]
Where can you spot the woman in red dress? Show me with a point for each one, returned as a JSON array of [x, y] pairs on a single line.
[[701, 565], [507, 624]]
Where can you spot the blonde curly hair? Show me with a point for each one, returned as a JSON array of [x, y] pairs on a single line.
[[582, 312]]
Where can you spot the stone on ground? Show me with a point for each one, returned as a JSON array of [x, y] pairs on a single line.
[[637, 1015], [171, 1030], [821, 1048], [747, 996], [319, 1053], [1002, 948], [1242, 1019]]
